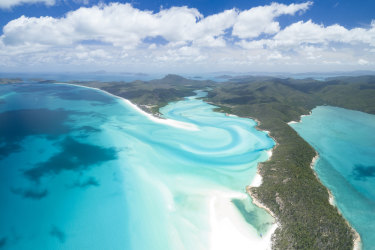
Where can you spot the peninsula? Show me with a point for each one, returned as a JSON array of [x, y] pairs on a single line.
[[290, 189]]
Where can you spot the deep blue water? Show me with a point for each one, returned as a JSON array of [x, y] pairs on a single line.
[[345, 141], [80, 169]]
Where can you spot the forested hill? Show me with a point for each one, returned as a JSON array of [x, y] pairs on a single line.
[[290, 188], [154, 94]]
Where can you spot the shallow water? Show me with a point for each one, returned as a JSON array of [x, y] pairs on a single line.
[[345, 141], [80, 169]]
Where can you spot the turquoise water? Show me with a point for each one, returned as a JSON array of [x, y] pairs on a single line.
[[80, 169], [345, 141]]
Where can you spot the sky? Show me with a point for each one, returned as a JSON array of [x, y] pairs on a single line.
[[198, 36]]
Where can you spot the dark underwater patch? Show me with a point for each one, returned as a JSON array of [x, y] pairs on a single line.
[[8, 149], [3, 242], [89, 182], [58, 234], [361, 172], [89, 129], [15, 125], [30, 193], [86, 131], [74, 156]]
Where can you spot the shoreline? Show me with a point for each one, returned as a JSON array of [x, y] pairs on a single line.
[[331, 198], [188, 126], [169, 122], [258, 180], [300, 119]]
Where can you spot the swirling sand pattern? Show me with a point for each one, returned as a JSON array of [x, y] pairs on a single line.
[[130, 181]]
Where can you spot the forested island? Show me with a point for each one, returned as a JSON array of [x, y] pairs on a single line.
[[290, 188]]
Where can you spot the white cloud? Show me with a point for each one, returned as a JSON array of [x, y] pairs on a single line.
[[120, 25], [308, 40], [363, 62], [6, 4], [251, 23], [123, 36], [311, 33]]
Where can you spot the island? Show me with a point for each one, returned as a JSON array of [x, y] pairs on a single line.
[[290, 189]]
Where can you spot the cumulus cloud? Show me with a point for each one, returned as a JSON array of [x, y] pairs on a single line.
[[122, 35], [120, 25], [251, 23], [6, 4], [308, 34]]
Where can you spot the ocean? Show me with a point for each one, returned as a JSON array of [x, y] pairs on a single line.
[[81, 169], [345, 141]]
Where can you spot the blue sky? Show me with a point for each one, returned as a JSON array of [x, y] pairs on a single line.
[[206, 36], [349, 13]]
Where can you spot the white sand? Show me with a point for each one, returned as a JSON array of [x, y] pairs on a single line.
[[292, 122], [169, 122], [357, 242], [331, 199], [257, 181], [230, 230], [269, 152], [300, 119]]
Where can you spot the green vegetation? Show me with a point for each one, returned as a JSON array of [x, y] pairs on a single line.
[[154, 94], [290, 188]]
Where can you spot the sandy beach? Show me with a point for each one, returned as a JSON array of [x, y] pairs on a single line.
[[229, 229], [169, 122], [300, 119], [257, 181], [294, 122]]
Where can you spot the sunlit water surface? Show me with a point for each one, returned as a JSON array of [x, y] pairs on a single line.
[[80, 169], [345, 141]]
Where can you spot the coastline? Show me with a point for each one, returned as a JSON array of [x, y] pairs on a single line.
[[169, 122], [258, 180], [300, 119], [268, 237], [331, 197], [356, 240]]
